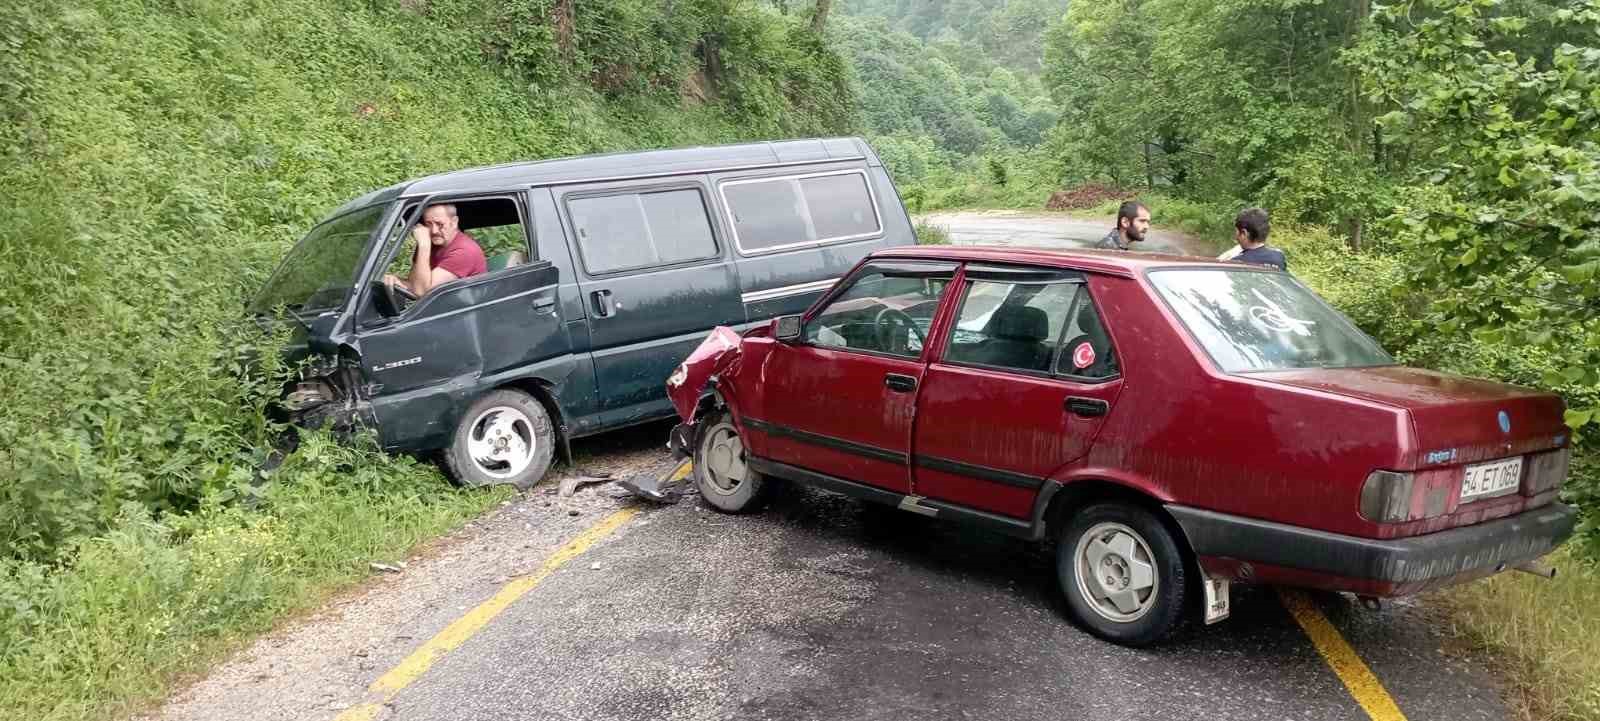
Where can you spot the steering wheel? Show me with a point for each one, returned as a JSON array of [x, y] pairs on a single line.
[[886, 320], [397, 296]]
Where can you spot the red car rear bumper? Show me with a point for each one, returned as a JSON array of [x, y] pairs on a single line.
[[1248, 549]]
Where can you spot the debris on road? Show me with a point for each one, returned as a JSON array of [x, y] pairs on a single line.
[[571, 484], [388, 567], [667, 488]]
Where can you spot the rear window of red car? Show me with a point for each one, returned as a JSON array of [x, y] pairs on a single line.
[[1250, 320]]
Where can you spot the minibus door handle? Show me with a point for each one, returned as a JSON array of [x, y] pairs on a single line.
[[602, 304]]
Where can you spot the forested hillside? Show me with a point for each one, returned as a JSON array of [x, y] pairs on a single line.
[[157, 159], [1004, 32], [951, 92], [160, 157]]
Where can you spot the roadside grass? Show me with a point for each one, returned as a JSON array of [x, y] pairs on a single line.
[[1543, 635], [153, 601], [931, 233]]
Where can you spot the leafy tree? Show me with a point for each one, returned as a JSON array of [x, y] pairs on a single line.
[[1098, 67], [1504, 206], [1240, 100]]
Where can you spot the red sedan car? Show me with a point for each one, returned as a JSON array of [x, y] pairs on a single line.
[[1173, 425]]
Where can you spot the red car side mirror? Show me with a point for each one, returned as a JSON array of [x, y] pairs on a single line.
[[786, 328]]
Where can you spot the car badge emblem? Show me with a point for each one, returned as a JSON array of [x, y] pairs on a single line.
[[1445, 456], [1505, 422]]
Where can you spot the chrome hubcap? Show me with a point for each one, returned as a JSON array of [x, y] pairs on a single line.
[[501, 442], [1116, 572], [724, 462]]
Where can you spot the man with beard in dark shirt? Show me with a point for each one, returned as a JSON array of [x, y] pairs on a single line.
[[1133, 221]]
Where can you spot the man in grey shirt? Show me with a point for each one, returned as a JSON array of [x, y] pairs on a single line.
[[1133, 221]]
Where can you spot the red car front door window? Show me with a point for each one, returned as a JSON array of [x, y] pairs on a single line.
[[841, 402]]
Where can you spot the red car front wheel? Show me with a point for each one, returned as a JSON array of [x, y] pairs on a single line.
[[721, 469]]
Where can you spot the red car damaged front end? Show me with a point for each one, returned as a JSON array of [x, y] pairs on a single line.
[[695, 383]]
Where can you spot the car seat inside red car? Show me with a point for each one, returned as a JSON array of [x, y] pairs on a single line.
[[1017, 339]]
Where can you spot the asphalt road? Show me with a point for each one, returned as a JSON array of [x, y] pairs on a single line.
[[1052, 230], [820, 607]]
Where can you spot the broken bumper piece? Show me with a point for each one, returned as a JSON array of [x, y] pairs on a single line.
[[669, 487]]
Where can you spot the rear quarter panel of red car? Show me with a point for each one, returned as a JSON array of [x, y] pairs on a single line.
[[1188, 434]]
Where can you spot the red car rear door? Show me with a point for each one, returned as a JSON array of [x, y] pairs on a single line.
[[841, 400], [1025, 379]]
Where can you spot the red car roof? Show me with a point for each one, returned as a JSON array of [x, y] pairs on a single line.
[[1113, 262]]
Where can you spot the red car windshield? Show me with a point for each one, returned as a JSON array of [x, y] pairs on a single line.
[[1251, 320]]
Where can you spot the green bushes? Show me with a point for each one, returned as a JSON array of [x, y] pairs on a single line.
[[153, 597], [162, 157], [1371, 287], [932, 234], [931, 179], [158, 158], [774, 75]]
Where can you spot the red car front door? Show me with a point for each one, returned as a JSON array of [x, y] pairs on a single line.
[[841, 401], [1022, 386]]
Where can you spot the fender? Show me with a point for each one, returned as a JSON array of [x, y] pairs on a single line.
[[1080, 472], [431, 413]]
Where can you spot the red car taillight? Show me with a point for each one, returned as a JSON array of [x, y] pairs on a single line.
[[1396, 497], [1386, 496], [1546, 471]]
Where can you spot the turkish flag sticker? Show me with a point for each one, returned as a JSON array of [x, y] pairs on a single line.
[[1083, 356]]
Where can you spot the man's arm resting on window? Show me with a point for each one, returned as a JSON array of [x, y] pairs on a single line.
[[438, 277]]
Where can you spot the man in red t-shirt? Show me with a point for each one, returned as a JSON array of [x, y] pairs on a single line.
[[443, 253]]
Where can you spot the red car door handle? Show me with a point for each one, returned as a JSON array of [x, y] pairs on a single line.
[[899, 383], [1087, 407]]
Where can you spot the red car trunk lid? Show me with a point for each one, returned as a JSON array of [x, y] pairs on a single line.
[[1456, 422]]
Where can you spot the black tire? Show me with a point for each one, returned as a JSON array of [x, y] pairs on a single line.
[[722, 474], [484, 450], [1132, 541]]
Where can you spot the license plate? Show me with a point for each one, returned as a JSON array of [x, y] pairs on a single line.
[[1491, 479]]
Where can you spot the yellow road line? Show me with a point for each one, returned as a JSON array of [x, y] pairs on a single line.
[[1365, 687], [457, 633]]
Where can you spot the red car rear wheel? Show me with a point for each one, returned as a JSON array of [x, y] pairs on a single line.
[[1122, 573]]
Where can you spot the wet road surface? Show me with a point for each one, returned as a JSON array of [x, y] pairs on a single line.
[[820, 607], [1052, 230]]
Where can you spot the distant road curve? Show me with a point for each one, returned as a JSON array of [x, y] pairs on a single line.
[[1051, 230]]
